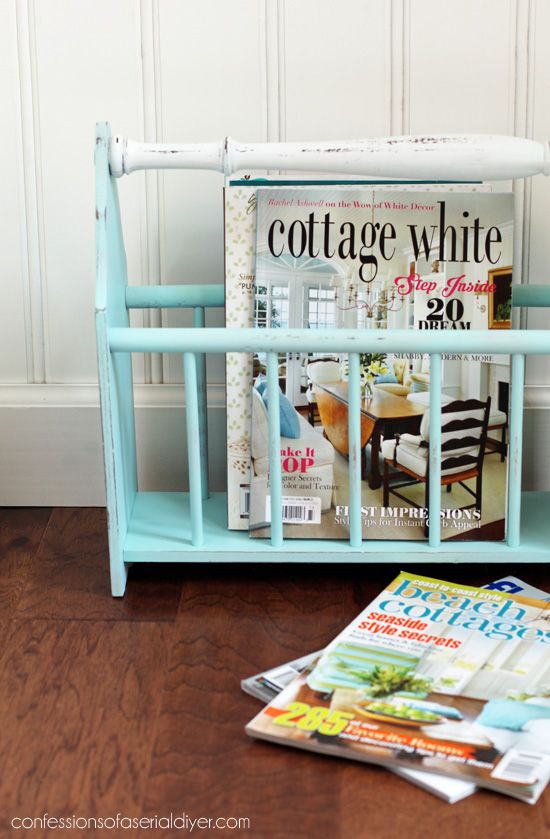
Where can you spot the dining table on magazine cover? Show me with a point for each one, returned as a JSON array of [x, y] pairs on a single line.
[[384, 414]]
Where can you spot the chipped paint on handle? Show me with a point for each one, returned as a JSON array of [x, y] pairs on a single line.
[[446, 157]]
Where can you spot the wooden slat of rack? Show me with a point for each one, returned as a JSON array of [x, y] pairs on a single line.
[[159, 531]]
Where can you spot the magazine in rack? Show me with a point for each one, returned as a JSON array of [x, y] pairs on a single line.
[[434, 677], [240, 301], [369, 258], [240, 297]]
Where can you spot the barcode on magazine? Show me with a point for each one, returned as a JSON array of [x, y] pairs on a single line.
[[521, 767], [245, 502], [297, 510]]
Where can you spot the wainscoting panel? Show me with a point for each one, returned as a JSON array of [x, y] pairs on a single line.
[[539, 249], [51, 450], [87, 67], [16, 333], [461, 66], [212, 60], [167, 70], [335, 69]]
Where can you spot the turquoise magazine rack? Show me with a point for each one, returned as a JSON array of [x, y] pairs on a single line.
[[192, 526]]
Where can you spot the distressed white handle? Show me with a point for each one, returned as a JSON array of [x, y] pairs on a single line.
[[449, 157]]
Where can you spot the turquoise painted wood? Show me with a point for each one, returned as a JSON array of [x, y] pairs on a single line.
[[174, 296], [515, 450], [199, 322], [176, 527], [115, 369], [434, 488], [193, 446], [354, 448], [114, 297], [160, 531], [274, 447], [176, 339], [531, 296]]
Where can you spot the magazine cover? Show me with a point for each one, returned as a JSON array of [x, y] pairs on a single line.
[[240, 268], [381, 259], [434, 677], [240, 274], [268, 684]]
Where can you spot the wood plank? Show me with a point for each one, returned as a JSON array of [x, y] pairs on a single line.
[[366, 811], [78, 704], [104, 716], [21, 530], [231, 624], [70, 576]]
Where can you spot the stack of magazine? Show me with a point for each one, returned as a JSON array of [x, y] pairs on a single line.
[[444, 684]]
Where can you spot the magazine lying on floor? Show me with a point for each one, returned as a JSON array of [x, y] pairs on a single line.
[[364, 258], [268, 684], [434, 677]]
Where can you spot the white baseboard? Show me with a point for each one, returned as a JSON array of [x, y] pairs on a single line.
[[51, 453]]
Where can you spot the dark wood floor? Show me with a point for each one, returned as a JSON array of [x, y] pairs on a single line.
[[134, 706]]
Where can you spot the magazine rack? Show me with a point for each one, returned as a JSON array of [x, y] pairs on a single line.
[[192, 527]]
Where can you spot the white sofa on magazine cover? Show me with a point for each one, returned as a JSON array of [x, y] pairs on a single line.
[[322, 471]]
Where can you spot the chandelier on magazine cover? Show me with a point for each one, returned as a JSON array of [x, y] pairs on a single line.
[[375, 303]]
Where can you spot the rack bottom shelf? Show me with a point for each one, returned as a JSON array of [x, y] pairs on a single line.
[[159, 532]]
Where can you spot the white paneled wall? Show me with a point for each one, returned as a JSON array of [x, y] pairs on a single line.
[[173, 70], [15, 309], [461, 66]]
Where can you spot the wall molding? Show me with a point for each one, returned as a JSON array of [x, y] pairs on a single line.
[[271, 70], [151, 101], [52, 448], [24, 396], [34, 261], [406, 69], [87, 396], [537, 397], [523, 57], [275, 34], [396, 58]]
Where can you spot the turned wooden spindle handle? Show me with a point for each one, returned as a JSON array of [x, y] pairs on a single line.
[[447, 157]]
